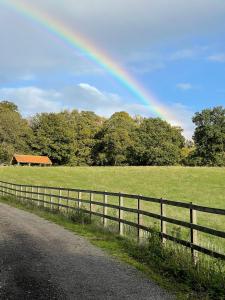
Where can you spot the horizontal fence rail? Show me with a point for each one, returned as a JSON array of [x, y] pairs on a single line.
[[84, 201]]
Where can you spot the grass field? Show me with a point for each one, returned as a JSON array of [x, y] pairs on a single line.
[[204, 186]]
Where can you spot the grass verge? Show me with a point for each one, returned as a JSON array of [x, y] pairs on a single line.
[[171, 267]]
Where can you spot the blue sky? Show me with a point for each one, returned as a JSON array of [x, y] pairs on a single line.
[[175, 49]]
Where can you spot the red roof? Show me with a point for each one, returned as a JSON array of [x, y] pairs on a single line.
[[32, 159]]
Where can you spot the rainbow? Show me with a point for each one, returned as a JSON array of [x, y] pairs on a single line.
[[98, 56]]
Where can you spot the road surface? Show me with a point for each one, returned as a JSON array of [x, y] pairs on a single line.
[[41, 260]]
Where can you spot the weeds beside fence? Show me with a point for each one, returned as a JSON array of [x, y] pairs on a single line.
[[96, 203]]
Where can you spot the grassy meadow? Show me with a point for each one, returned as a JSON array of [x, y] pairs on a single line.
[[203, 186]]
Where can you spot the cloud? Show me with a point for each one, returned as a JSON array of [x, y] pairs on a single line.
[[83, 96], [219, 57], [87, 97], [32, 100], [185, 86], [184, 116], [91, 89]]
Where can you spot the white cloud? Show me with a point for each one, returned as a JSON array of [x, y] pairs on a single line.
[[91, 89], [87, 97], [184, 116], [33, 100], [185, 86], [219, 57], [84, 96]]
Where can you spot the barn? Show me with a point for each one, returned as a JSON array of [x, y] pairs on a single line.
[[30, 160]]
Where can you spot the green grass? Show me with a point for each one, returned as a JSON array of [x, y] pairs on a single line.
[[169, 266], [203, 186]]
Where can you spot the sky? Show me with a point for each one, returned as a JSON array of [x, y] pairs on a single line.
[[174, 49]]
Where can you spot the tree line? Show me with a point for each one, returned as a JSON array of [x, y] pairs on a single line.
[[83, 138]]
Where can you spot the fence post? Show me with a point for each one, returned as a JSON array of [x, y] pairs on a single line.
[[59, 199], [91, 199], [67, 201], [121, 225], [194, 233], [163, 223], [79, 198], [38, 196], [3, 189], [105, 209], [21, 192], [25, 193], [44, 197], [140, 220], [50, 199], [32, 196]]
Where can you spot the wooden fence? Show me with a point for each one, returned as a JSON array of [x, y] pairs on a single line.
[[75, 199]]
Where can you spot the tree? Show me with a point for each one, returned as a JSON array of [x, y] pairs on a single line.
[[87, 126], [114, 139], [15, 133], [83, 138], [66, 137], [157, 143], [53, 136], [7, 105], [209, 136]]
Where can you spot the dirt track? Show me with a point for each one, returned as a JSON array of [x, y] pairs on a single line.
[[41, 260]]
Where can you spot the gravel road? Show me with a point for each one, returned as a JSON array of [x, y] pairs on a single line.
[[41, 260]]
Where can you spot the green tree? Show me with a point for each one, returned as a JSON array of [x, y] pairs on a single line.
[[114, 139], [209, 137], [66, 137], [53, 136], [87, 127], [15, 133], [157, 143]]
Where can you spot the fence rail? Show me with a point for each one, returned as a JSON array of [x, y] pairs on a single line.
[[65, 198]]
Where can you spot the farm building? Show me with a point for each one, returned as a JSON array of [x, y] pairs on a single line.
[[30, 160]]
